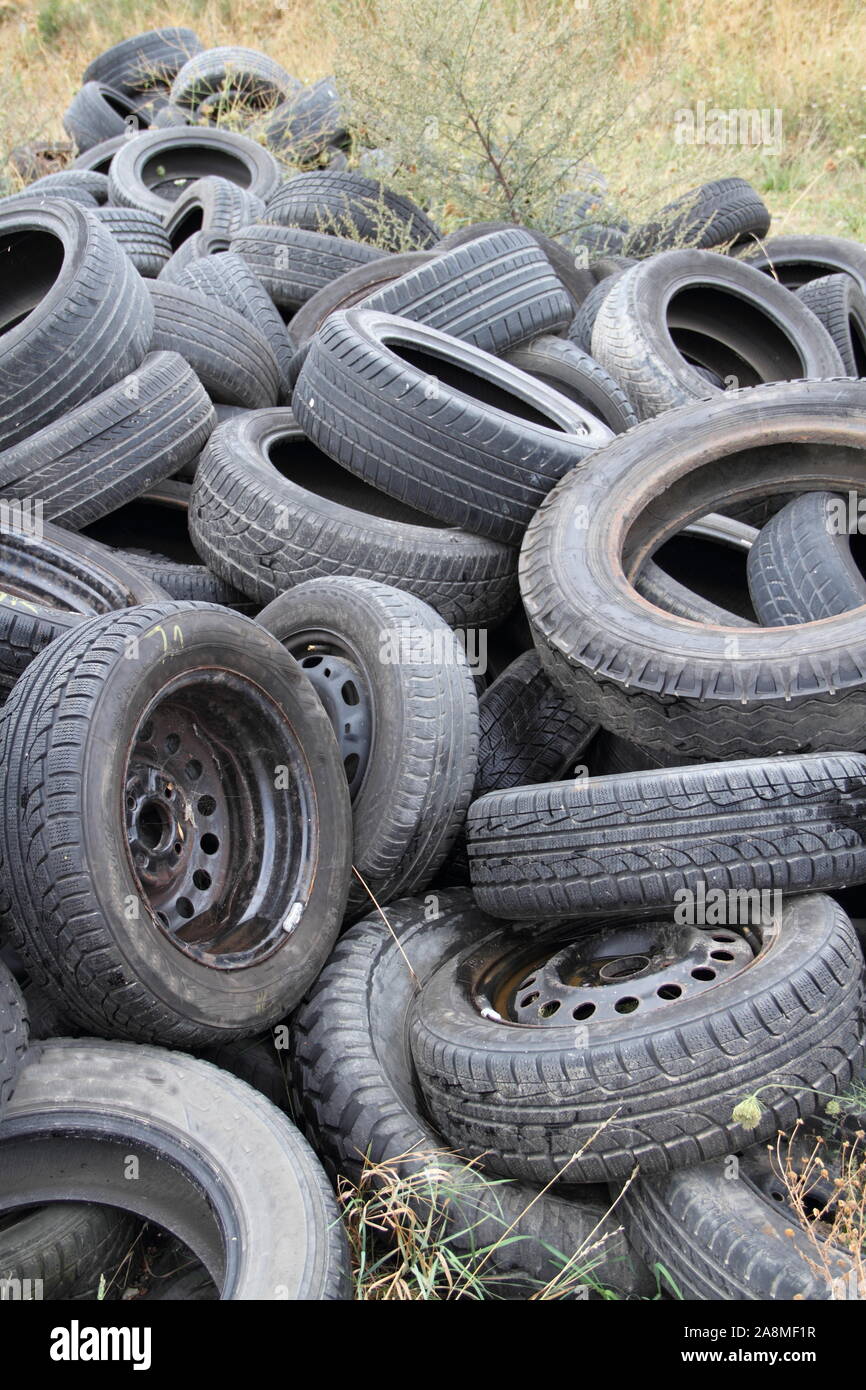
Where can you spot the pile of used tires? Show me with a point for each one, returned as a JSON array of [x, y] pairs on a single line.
[[430, 662]]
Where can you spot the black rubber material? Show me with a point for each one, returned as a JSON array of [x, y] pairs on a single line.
[[795, 260], [227, 280], [189, 583], [115, 446], [577, 282], [97, 113], [75, 909], [269, 510], [580, 330], [75, 314], [355, 1079], [839, 303], [66, 1247], [725, 1232], [685, 309], [652, 1090], [216, 1164], [72, 180], [49, 582], [654, 678], [303, 127], [141, 235], [438, 424], [561, 364], [293, 263], [662, 589], [529, 733], [351, 205], [632, 843], [144, 61], [496, 292], [716, 214], [13, 1038], [233, 360], [151, 171], [349, 289], [423, 753], [257, 1062], [801, 567], [245, 78], [98, 158], [217, 207]]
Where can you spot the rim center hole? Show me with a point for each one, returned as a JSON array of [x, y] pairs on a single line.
[[624, 967], [153, 824]]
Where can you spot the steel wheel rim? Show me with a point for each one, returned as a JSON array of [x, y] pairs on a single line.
[[339, 677], [219, 817], [606, 973]]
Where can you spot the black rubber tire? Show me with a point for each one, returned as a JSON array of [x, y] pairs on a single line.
[[75, 311], [354, 1076], [113, 447], [217, 207], [438, 424], [654, 1091], [839, 303], [293, 263], [187, 583], [577, 281], [729, 1236], [728, 317], [204, 1143], [248, 79], [529, 733], [98, 158], [801, 567], [68, 863], [50, 582], [34, 158], [169, 116], [97, 113], [192, 1286], [422, 755], [580, 329], [302, 128], [63, 1249], [145, 60], [561, 364], [150, 171], [725, 211], [257, 1062], [795, 260], [662, 589], [496, 292], [654, 678], [350, 205], [233, 360], [265, 528], [608, 755], [632, 843], [13, 1038], [141, 236], [227, 280], [71, 181], [350, 289]]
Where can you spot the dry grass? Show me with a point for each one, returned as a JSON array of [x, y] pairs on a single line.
[[807, 60], [826, 1188]]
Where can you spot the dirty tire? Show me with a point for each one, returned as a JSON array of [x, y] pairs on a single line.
[[147, 60], [76, 314], [412, 775], [293, 263], [150, 171], [233, 360], [634, 843], [66, 1247], [802, 567], [654, 1090], [13, 1035], [839, 303], [70, 856], [408, 409], [114, 447], [721, 212], [561, 364], [141, 236], [350, 205], [654, 678], [278, 1235], [357, 1090], [268, 511]]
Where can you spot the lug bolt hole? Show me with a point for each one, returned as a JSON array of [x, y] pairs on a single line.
[[205, 805], [202, 879], [209, 843], [185, 907]]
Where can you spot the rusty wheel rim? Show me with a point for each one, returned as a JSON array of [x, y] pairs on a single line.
[[218, 809]]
